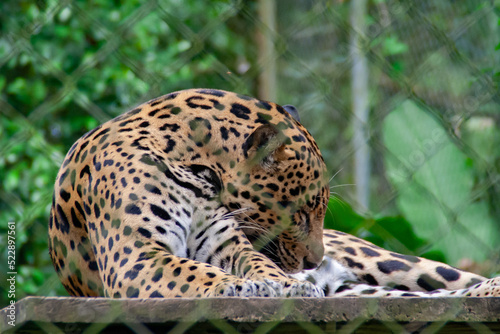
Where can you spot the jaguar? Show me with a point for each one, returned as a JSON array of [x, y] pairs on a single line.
[[204, 193]]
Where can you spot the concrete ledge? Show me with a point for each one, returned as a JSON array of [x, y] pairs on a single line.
[[53, 314]]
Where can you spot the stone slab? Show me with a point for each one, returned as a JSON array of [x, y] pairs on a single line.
[[53, 314]]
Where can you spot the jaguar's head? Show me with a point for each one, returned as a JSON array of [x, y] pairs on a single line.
[[280, 194]]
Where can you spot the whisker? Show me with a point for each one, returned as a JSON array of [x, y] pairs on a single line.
[[235, 212], [251, 224], [322, 202], [342, 203], [335, 175], [342, 185]]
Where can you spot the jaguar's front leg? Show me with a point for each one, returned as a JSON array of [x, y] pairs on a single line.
[[146, 265], [214, 259], [224, 244]]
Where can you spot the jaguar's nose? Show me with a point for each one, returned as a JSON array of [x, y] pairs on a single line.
[[309, 265], [316, 250]]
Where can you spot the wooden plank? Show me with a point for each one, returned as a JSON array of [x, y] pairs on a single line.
[[53, 314]]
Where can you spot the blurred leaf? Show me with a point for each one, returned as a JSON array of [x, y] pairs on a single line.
[[392, 46], [481, 134], [434, 180], [340, 216], [398, 233], [394, 233], [17, 86], [3, 80]]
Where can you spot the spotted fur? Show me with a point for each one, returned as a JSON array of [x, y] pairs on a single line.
[[355, 267], [205, 193], [174, 197]]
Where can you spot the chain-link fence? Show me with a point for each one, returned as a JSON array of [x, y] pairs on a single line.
[[401, 96]]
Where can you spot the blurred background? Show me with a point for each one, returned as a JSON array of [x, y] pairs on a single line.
[[401, 96]]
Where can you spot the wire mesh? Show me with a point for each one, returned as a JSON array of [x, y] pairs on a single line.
[[66, 66]]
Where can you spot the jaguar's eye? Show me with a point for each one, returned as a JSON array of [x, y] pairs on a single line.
[[307, 223], [304, 223]]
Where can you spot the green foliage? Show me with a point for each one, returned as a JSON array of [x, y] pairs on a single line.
[[394, 233], [68, 66], [392, 46], [435, 182]]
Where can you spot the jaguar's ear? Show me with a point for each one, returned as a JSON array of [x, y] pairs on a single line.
[[265, 146], [292, 111]]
